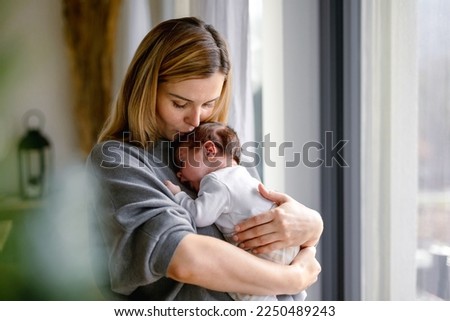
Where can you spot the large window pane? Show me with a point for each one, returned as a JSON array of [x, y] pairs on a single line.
[[434, 150]]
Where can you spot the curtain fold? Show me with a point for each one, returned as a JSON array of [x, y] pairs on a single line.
[[389, 172], [135, 21], [90, 32]]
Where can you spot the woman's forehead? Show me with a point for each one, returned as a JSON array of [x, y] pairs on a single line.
[[197, 90]]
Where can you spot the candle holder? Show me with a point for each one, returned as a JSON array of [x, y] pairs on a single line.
[[34, 157]]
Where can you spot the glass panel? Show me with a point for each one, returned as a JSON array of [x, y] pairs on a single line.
[[433, 254]]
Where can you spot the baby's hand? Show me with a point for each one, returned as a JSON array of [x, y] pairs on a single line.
[[172, 187]]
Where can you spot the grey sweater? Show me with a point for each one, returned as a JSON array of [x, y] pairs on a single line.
[[137, 224]]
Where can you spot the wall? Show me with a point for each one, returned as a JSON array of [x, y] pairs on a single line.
[[301, 94], [302, 103]]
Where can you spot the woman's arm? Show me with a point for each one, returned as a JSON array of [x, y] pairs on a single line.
[[289, 224], [220, 266]]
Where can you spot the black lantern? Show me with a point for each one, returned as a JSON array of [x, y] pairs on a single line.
[[34, 158]]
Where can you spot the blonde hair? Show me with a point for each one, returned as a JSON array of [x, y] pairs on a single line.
[[174, 50]]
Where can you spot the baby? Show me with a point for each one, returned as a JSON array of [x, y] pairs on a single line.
[[208, 159]]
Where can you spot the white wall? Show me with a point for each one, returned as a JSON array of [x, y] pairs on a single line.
[[291, 103], [302, 102], [38, 77], [301, 95]]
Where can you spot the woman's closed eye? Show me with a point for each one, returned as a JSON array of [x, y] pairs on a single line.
[[209, 105], [180, 105]]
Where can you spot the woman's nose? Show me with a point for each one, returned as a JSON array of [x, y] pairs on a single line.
[[193, 118]]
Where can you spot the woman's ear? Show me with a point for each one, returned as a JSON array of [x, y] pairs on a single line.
[[209, 149]]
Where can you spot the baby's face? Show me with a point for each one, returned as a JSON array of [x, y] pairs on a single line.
[[194, 166]]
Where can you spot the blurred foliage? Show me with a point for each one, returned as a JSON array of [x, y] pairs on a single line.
[[9, 46]]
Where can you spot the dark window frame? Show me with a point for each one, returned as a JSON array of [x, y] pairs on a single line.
[[340, 56]]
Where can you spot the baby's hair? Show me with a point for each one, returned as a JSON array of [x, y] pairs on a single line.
[[224, 138]]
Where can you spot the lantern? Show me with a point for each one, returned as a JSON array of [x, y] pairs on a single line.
[[34, 159]]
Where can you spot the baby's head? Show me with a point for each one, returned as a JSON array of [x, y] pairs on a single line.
[[209, 147]]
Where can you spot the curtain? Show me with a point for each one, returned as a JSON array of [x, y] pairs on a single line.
[[134, 23], [389, 149], [90, 30]]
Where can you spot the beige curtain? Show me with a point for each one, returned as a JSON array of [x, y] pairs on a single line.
[[90, 30], [389, 107]]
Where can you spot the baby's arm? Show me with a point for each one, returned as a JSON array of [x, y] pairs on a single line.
[[211, 202]]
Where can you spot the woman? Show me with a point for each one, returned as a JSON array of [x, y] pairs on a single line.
[[181, 76]]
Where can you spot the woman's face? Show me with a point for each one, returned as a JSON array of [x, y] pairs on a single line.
[[181, 106]]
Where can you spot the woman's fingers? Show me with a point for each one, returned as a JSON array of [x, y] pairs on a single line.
[[262, 234], [307, 259], [255, 222], [273, 196], [288, 224]]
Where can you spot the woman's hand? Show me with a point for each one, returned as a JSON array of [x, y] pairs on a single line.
[[289, 224], [309, 266]]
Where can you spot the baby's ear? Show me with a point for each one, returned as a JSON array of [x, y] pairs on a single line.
[[210, 149]]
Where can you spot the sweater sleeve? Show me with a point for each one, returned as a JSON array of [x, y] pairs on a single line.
[[140, 223], [213, 199]]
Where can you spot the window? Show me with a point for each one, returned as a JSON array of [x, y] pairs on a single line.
[[405, 155], [433, 224]]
